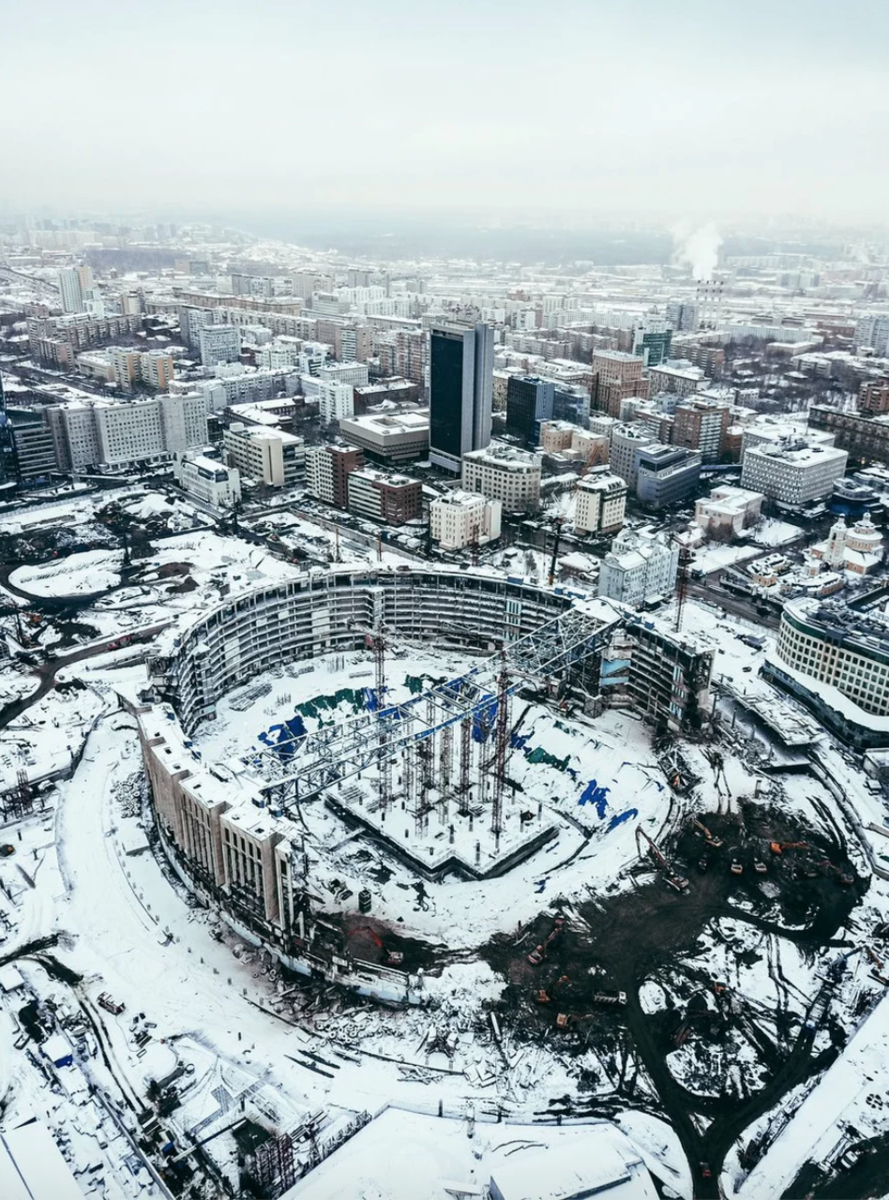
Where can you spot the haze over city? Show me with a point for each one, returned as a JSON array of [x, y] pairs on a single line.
[[564, 113]]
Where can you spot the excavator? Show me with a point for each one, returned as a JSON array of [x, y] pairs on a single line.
[[780, 847], [709, 837], [539, 953], [841, 876], [676, 882]]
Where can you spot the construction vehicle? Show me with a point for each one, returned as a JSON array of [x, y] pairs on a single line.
[[760, 867], [709, 838], [676, 882], [736, 868], [780, 847], [609, 998], [539, 953], [841, 876], [562, 1020]]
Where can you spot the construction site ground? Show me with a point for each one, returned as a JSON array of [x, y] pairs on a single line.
[[618, 944]]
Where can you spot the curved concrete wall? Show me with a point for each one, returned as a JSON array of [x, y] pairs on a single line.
[[248, 634]]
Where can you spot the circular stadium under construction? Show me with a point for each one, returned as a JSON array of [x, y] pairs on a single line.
[[385, 709]]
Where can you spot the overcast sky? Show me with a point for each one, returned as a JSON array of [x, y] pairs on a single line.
[[701, 109]]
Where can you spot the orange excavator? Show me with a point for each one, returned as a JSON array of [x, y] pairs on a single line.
[[780, 847]]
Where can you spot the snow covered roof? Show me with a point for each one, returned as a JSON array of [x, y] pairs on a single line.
[[36, 1159]]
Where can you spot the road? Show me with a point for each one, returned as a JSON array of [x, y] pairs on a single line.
[[47, 671], [711, 591]]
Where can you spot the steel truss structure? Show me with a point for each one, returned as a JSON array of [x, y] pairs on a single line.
[[297, 769]]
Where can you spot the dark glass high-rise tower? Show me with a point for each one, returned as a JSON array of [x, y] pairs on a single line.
[[461, 380], [8, 471]]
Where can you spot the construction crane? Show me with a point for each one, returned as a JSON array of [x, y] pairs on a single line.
[[558, 522]]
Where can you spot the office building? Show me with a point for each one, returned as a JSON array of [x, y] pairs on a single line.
[[728, 511], [208, 480], [836, 660], [459, 519], [389, 438], [461, 366], [529, 401], [237, 384], [767, 431], [600, 503], [615, 376], [265, 456], [702, 425], [505, 474], [27, 449], [666, 474], [105, 433], [651, 340], [219, 344], [327, 472], [383, 496], [794, 474], [640, 567], [572, 404], [864, 436], [626, 441]]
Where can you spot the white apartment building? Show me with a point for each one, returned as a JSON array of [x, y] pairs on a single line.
[[626, 440], [503, 473], [793, 473], [109, 433], [679, 377], [73, 283], [238, 384], [353, 373], [602, 425], [264, 455], [208, 480], [461, 518], [601, 502], [640, 566], [336, 401], [219, 344], [728, 511], [75, 435]]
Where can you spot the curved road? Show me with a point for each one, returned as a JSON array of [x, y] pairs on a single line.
[[46, 673]]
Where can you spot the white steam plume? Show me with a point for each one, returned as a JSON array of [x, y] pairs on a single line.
[[697, 248]]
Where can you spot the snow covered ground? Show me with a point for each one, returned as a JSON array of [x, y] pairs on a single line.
[[75, 575], [599, 777]]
